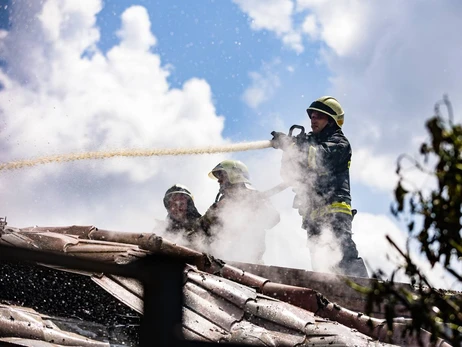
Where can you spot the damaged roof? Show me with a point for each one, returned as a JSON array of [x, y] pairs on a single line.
[[222, 302]]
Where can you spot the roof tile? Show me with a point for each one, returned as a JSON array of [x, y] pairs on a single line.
[[204, 327], [209, 310], [231, 291], [281, 313]]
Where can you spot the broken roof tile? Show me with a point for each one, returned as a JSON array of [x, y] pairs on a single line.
[[25, 323]]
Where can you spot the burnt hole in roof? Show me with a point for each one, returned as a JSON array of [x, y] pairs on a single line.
[[73, 301]]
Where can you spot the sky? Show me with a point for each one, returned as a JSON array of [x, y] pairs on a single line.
[[79, 76]]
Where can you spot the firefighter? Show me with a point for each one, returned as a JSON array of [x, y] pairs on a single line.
[[240, 215], [317, 166], [182, 214]]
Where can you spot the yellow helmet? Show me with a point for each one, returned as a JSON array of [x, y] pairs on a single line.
[[236, 170], [330, 106], [177, 189]]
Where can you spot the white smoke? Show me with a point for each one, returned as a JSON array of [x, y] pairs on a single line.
[[325, 251], [240, 233]]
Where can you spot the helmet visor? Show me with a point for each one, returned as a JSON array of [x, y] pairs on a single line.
[[319, 106], [217, 174]]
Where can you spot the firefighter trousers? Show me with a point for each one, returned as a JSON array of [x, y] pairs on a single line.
[[340, 225]]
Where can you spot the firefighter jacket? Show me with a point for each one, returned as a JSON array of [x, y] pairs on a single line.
[[238, 221], [246, 202], [186, 229], [317, 167]]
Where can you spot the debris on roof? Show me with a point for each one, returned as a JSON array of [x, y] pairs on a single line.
[[25, 326], [222, 302]]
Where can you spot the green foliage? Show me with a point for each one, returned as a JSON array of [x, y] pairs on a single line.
[[439, 212]]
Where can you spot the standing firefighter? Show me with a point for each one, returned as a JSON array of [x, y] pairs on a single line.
[[182, 214], [240, 215], [317, 166]]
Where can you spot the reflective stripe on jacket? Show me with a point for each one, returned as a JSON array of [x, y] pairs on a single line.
[[336, 207], [323, 180]]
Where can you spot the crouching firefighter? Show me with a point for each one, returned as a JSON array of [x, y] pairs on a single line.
[[182, 217], [316, 165]]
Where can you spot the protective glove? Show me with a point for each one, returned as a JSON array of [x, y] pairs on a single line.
[[279, 140]]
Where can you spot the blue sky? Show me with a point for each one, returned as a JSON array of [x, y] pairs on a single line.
[[213, 40], [107, 75]]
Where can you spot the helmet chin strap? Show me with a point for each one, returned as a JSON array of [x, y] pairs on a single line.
[[224, 187]]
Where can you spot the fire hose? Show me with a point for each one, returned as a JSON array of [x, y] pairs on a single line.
[[238, 147], [235, 147]]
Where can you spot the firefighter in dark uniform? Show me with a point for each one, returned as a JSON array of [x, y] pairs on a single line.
[[240, 215], [182, 214], [317, 166]]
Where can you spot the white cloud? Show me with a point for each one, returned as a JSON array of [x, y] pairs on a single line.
[[294, 40], [61, 23], [378, 171], [135, 33], [369, 234], [263, 86], [369, 229], [339, 24], [121, 99], [273, 15], [310, 26], [374, 170], [388, 75], [63, 95]]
